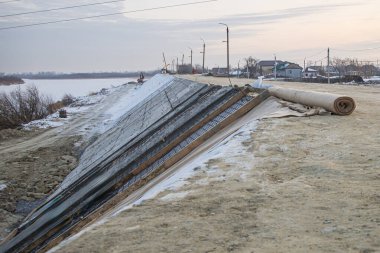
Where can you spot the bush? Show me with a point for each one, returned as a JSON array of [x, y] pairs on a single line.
[[20, 107], [53, 107], [67, 99]]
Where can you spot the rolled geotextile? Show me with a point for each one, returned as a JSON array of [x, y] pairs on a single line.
[[338, 104]]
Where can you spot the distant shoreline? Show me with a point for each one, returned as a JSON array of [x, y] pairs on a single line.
[[10, 80], [78, 78], [65, 76]]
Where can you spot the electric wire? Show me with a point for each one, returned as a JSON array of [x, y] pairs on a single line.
[[356, 50], [320, 60], [106, 15], [5, 2], [320, 52], [60, 8]]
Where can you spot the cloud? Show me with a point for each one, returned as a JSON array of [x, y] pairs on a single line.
[[241, 25], [119, 42]]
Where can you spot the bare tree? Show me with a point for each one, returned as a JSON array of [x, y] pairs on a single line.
[[352, 66], [19, 107], [251, 65]]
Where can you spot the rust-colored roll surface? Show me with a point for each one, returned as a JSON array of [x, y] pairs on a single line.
[[338, 104]]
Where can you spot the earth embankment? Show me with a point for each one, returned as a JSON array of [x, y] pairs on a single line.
[[308, 184]]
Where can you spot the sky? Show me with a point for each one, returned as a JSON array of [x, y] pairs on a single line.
[[293, 30]]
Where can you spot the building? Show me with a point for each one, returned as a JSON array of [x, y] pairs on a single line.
[[221, 72], [185, 69], [289, 70], [310, 72], [332, 71], [265, 68]]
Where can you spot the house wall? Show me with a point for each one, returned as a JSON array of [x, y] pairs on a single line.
[[309, 74], [290, 73], [219, 71], [281, 73], [293, 73], [185, 69], [265, 70]]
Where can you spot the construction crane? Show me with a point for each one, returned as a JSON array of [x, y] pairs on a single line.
[[165, 68]]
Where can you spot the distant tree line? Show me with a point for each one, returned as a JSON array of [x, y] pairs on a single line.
[[351, 66], [99, 75], [8, 80]]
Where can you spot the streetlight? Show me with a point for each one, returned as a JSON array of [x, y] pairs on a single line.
[[228, 48], [204, 53], [191, 58]]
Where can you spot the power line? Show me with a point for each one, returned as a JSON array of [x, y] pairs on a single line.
[[10, 1], [61, 8], [110, 14], [320, 60], [356, 50], [315, 54]]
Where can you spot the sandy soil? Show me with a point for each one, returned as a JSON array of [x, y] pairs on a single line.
[[313, 185]]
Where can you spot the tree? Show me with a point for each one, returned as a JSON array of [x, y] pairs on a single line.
[[352, 66], [251, 65]]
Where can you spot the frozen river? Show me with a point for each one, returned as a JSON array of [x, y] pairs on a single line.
[[56, 89]]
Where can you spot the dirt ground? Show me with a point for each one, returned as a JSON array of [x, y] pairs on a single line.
[[33, 163], [313, 186], [29, 173]]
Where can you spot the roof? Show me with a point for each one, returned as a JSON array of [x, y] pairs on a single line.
[[293, 66], [316, 68], [268, 63], [288, 65], [310, 69]]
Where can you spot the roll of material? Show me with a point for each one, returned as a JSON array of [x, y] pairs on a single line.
[[338, 104]]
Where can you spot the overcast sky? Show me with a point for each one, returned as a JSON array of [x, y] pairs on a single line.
[[292, 29]]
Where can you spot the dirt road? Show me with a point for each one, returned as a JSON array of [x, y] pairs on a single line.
[[310, 184]]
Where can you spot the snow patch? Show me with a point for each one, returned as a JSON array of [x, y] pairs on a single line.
[[126, 97], [57, 88], [2, 186], [137, 95], [229, 149], [175, 196], [372, 79]]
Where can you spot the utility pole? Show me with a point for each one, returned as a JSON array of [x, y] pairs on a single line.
[[275, 67], [328, 65], [183, 58], [248, 74], [177, 65], [191, 59], [228, 49], [204, 53], [304, 64]]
